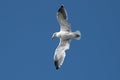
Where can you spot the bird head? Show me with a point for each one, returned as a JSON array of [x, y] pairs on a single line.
[[54, 36]]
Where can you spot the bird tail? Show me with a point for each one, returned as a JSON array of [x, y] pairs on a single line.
[[77, 35]]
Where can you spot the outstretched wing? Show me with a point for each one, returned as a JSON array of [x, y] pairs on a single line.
[[60, 52], [62, 19]]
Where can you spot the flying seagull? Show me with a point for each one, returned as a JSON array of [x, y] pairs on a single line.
[[65, 34]]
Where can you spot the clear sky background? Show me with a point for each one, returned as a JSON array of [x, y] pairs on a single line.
[[26, 48]]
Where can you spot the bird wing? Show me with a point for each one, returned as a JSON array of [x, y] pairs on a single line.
[[62, 19], [60, 52]]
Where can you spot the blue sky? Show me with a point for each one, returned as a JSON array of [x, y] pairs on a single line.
[[26, 48]]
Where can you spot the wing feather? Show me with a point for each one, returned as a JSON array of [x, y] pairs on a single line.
[[60, 52], [62, 19]]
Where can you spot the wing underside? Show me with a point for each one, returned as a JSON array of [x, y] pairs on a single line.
[[62, 19], [60, 52]]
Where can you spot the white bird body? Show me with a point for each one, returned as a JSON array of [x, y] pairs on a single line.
[[65, 36]]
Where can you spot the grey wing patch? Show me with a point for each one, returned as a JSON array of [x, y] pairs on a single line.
[[64, 44], [62, 19]]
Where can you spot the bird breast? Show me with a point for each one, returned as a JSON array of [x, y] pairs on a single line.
[[64, 35]]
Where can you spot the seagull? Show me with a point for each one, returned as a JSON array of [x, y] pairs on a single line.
[[65, 34]]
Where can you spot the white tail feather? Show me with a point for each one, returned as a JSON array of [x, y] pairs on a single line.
[[77, 35]]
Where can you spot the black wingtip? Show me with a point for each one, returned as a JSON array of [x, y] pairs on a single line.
[[57, 68], [56, 65], [60, 9], [62, 6]]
